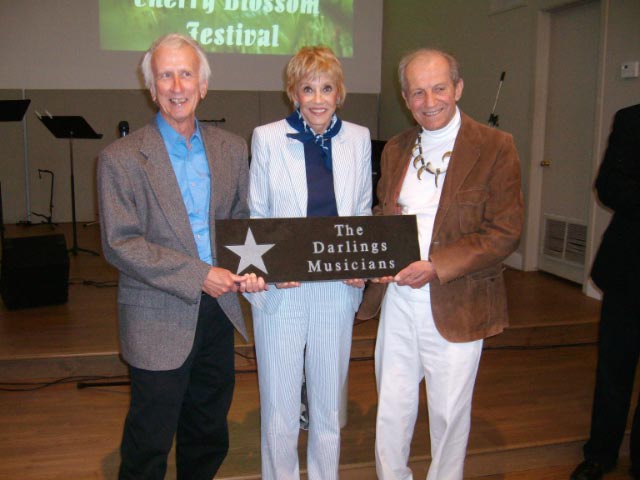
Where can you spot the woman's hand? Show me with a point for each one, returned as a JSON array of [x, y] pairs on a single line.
[[287, 284], [354, 282]]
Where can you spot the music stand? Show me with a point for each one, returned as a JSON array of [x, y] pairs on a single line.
[[71, 127], [12, 111]]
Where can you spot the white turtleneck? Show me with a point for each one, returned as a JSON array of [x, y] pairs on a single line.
[[421, 197]]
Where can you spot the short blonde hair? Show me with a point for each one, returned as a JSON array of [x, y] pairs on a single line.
[[313, 61]]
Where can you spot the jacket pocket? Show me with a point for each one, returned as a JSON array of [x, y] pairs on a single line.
[[471, 204], [489, 273], [486, 291], [142, 298]]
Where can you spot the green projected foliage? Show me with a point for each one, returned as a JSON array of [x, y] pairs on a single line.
[[274, 27]]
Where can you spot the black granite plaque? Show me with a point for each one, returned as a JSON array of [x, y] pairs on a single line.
[[317, 248]]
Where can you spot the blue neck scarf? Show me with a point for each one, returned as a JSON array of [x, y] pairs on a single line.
[[311, 139]]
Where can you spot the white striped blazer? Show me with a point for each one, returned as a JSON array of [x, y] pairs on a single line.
[[278, 182]]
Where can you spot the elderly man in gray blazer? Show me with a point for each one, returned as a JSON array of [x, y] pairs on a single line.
[[160, 190]]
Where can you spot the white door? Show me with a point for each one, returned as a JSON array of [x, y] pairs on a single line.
[[568, 151]]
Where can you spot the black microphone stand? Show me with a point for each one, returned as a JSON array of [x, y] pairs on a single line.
[[493, 118], [47, 218]]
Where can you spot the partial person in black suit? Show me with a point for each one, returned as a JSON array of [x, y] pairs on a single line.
[[616, 271]]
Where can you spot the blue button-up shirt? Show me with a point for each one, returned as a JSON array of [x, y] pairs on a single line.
[[194, 179]]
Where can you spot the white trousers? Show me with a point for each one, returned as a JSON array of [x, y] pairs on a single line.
[[316, 318], [408, 349]]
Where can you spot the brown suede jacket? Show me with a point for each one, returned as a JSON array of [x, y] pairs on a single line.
[[478, 224]]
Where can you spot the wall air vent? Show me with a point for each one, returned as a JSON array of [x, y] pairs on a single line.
[[565, 240]]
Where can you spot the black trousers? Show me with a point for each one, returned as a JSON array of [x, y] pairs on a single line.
[[618, 350], [190, 402]]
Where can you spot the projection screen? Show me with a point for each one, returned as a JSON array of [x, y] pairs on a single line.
[[275, 27]]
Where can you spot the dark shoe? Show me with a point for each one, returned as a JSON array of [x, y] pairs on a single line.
[[587, 470]]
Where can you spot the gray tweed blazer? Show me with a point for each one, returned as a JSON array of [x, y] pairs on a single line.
[[147, 236]]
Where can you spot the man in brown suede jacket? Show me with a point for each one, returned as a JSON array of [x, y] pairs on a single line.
[[462, 181]]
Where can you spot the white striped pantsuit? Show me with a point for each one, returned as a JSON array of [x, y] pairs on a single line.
[[320, 318], [408, 349]]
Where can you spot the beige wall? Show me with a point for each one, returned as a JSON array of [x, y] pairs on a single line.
[[103, 110], [488, 43]]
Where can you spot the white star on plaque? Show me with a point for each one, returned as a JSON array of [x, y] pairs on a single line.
[[250, 253]]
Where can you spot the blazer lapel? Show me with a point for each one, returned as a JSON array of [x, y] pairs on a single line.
[[466, 152], [217, 171], [218, 174], [342, 173], [400, 167], [293, 157], [165, 186]]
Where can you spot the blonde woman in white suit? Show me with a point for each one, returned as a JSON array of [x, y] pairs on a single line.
[[309, 164]]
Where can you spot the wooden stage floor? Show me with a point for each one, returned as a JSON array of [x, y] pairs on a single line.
[[531, 405]]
